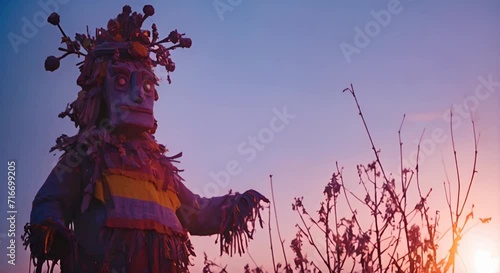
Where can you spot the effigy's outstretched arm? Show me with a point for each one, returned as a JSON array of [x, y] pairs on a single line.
[[48, 234], [232, 217]]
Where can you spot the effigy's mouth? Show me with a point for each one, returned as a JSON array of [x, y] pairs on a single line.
[[136, 109]]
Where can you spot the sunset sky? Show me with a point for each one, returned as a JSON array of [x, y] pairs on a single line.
[[260, 58]]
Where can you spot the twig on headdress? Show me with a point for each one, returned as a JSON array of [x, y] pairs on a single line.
[[173, 37], [72, 51], [148, 11], [62, 31], [54, 19]]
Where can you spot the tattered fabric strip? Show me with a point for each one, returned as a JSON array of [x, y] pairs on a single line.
[[166, 253]]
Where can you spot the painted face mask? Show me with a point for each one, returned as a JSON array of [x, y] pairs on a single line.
[[117, 71], [129, 94]]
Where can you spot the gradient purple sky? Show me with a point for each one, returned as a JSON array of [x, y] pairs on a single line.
[[264, 55]]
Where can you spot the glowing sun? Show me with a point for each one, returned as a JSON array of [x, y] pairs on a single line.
[[486, 263]]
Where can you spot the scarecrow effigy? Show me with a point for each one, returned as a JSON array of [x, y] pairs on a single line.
[[115, 202]]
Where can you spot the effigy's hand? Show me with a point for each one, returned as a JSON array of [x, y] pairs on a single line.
[[256, 196], [50, 241], [239, 216]]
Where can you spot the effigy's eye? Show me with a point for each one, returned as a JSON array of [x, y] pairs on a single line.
[[121, 81], [148, 86]]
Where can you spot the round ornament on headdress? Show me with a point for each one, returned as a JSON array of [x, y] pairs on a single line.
[[52, 63], [54, 19]]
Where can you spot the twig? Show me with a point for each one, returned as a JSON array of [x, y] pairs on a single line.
[[351, 90], [345, 195], [310, 239], [456, 165], [327, 228], [474, 171], [251, 258], [377, 230], [337, 247], [417, 166], [401, 151], [276, 217], [271, 241]]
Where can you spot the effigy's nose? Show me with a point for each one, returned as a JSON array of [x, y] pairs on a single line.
[[138, 99], [137, 89]]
